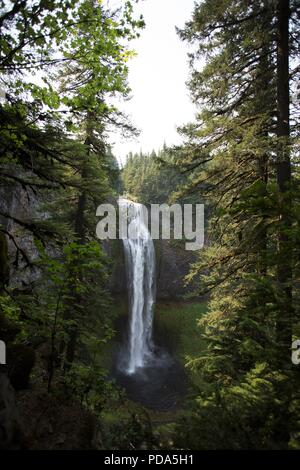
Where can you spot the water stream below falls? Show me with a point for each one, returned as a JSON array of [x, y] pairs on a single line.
[[149, 373]]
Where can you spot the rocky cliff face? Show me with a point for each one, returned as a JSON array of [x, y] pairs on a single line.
[[172, 265], [20, 205], [172, 260]]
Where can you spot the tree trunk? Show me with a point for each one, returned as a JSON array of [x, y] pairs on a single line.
[[79, 228], [284, 267]]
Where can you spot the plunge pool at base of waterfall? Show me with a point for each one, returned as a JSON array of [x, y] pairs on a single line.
[[160, 385]]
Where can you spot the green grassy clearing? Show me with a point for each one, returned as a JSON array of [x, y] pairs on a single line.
[[178, 325]]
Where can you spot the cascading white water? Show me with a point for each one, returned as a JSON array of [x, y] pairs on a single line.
[[140, 267]]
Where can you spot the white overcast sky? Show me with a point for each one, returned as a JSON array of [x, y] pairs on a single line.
[[157, 77]]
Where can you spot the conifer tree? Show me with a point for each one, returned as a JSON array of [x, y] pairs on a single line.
[[233, 155]]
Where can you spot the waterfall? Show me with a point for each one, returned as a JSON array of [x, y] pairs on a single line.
[[140, 269]]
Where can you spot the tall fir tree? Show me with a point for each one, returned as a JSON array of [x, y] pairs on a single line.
[[238, 154]]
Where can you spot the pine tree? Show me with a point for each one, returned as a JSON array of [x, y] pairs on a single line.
[[232, 154]]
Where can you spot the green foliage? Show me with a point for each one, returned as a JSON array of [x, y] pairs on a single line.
[[55, 155], [231, 153], [88, 385], [152, 179], [238, 416], [134, 432]]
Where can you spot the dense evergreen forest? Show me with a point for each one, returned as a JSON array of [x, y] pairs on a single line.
[[226, 318]]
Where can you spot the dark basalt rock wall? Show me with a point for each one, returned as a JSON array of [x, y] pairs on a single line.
[[21, 205], [172, 265]]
